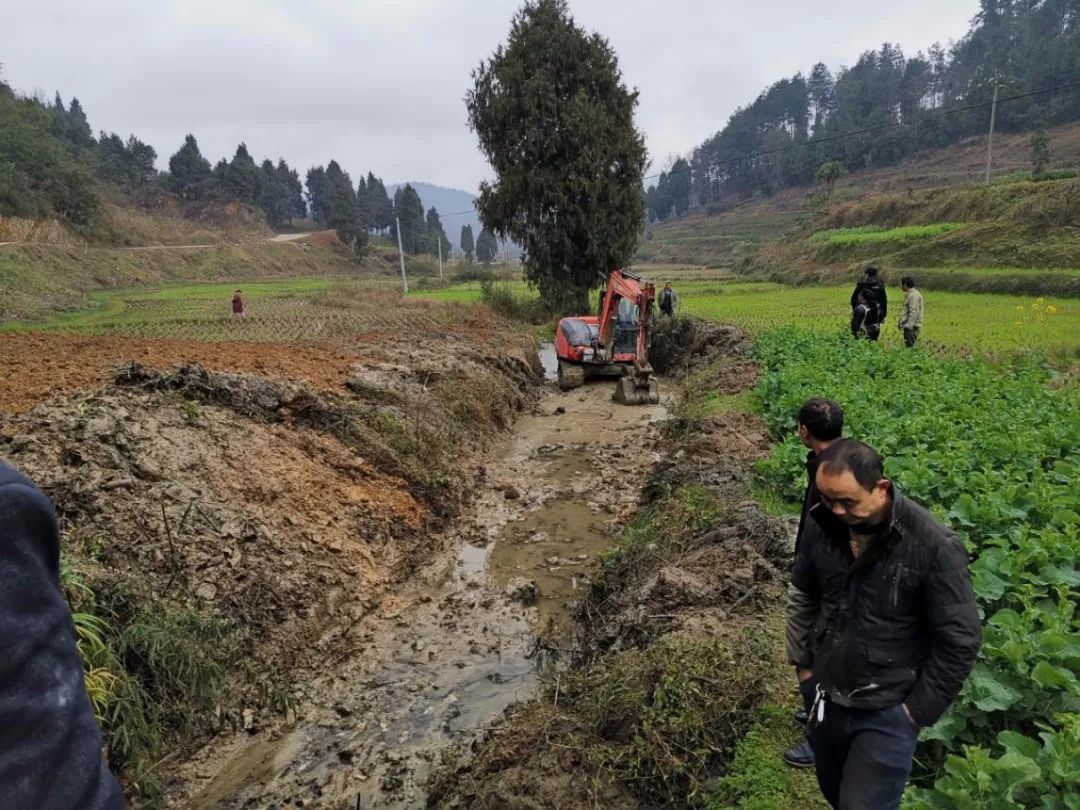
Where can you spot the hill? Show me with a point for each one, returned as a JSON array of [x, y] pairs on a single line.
[[930, 211]]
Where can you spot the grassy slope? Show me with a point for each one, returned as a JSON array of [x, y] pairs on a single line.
[[1010, 224]]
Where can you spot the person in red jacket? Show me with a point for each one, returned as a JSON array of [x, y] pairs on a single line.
[[237, 305]]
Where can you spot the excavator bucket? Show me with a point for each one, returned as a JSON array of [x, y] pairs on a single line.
[[630, 390]]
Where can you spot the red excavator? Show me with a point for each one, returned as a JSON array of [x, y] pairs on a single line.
[[613, 344]]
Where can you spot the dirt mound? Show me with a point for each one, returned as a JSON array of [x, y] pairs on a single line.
[[35, 367], [680, 345]]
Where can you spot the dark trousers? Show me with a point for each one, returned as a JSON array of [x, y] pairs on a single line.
[[667, 311], [911, 335], [863, 756], [864, 317]]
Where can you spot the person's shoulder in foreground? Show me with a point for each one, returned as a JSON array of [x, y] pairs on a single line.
[[50, 744]]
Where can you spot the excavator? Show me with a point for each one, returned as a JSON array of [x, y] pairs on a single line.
[[613, 344]]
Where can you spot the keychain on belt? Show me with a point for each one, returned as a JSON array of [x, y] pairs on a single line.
[[817, 710]]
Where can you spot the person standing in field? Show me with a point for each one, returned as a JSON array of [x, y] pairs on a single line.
[[912, 314], [869, 305], [669, 299], [886, 591], [50, 743], [821, 421], [237, 305]]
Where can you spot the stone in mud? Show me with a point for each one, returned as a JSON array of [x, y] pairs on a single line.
[[559, 411], [511, 493], [522, 590]]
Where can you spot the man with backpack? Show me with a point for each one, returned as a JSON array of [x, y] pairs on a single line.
[[869, 305]]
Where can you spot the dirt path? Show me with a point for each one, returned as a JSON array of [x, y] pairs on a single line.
[[446, 655]]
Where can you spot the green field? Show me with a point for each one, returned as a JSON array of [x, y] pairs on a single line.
[[982, 322], [869, 234]]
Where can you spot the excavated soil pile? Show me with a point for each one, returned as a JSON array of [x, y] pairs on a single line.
[[284, 509]]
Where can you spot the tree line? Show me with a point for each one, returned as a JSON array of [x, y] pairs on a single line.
[[1022, 46], [51, 166]]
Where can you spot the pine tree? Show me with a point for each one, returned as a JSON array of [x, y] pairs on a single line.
[[293, 190], [409, 211], [189, 171], [486, 247], [679, 183], [318, 194], [556, 122], [436, 236], [381, 206], [467, 243], [344, 217], [243, 178], [78, 132]]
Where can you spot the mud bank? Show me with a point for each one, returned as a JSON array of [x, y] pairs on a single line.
[[674, 644], [443, 656], [231, 530]]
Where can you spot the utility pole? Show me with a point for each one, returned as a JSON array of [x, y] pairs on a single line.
[[438, 238], [401, 255], [990, 139]]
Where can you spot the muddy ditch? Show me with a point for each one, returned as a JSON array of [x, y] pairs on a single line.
[[232, 530], [673, 649]]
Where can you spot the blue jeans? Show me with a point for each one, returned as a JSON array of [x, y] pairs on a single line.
[[863, 756]]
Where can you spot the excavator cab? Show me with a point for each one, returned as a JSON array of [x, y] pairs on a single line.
[[612, 344]]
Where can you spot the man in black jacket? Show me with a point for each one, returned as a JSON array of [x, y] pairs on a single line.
[[893, 626], [50, 745], [821, 421], [869, 305]]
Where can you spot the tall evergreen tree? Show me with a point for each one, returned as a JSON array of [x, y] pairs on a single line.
[[294, 189], [486, 246], [243, 178], [79, 133], [556, 122], [318, 194], [189, 171], [467, 242], [409, 211], [679, 184], [344, 217], [436, 236], [382, 207]]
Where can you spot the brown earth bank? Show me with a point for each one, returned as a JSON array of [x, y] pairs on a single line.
[[675, 645], [229, 526]]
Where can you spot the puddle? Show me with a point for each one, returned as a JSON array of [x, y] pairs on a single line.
[[554, 546], [259, 762], [549, 360]]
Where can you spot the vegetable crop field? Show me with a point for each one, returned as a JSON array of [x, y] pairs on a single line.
[[994, 449]]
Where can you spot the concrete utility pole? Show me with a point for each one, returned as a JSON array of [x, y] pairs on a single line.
[[401, 255], [990, 139], [438, 238]]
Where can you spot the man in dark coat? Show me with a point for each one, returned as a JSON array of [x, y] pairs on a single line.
[[893, 627], [821, 421], [869, 305], [50, 744]]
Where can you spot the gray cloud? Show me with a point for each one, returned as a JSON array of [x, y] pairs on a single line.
[[378, 85]]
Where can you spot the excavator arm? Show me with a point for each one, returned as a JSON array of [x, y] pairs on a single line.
[[639, 386]]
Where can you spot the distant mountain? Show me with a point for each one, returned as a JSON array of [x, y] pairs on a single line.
[[447, 201], [455, 209]]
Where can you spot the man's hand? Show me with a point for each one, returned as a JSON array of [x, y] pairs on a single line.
[[806, 674]]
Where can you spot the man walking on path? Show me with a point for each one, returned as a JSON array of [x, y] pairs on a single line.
[[869, 305], [912, 313], [669, 299], [887, 593], [821, 421], [50, 744]]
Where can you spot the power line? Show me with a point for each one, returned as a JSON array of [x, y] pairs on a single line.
[[846, 134]]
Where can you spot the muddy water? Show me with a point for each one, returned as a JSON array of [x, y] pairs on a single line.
[[451, 651]]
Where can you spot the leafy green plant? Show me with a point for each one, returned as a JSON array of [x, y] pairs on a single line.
[[994, 450]]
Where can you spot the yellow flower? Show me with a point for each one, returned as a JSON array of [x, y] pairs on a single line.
[[1019, 308], [1051, 310], [1038, 300], [1018, 323]]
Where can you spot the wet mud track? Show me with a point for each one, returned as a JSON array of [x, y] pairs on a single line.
[[445, 655]]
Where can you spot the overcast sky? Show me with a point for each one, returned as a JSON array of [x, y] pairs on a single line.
[[378, 84]]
